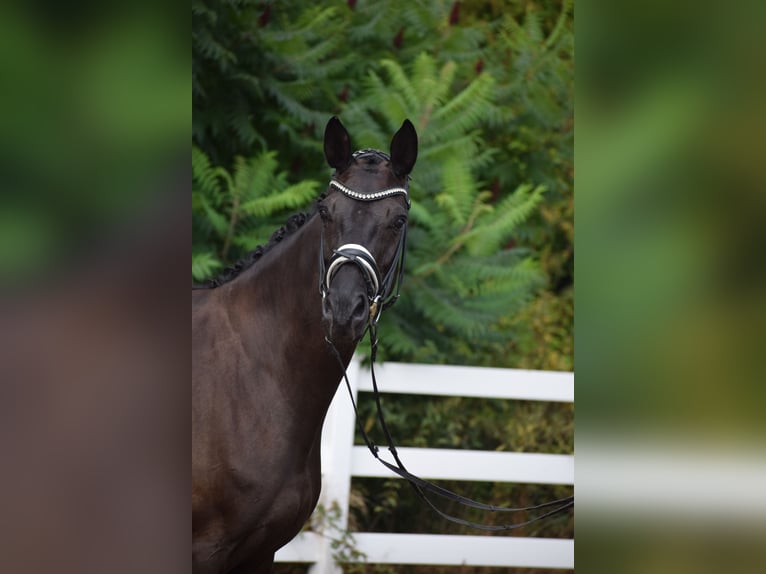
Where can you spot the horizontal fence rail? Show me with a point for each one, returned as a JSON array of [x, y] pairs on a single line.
[[484, 382], [341, 461], [442, 550], [449, 464]]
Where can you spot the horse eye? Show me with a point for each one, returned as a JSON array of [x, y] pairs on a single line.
[[399, 223]]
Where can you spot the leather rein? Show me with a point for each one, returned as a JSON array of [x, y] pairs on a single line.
[[382, 292]]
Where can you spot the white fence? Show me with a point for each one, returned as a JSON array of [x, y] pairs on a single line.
[[341, 460]]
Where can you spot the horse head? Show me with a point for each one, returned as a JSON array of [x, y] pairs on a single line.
[[364, 225]]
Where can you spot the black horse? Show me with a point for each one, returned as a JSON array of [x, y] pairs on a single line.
[[263, 371]]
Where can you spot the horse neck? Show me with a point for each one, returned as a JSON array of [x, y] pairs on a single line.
[[283, 306]]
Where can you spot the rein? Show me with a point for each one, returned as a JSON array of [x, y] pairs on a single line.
[[421, 485], [382, 294]]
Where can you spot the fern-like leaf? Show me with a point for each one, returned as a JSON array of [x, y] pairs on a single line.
[[204, 265], [292, 197], [488, 237]]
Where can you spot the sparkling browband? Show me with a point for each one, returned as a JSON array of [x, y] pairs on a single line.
[[371, 196]]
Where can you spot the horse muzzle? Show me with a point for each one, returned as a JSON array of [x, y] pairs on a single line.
[[346, 307], [356, 300]]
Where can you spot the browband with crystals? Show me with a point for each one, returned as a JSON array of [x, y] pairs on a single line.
[[371, 196]]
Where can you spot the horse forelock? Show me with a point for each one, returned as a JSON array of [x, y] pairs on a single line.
[[371, 155]]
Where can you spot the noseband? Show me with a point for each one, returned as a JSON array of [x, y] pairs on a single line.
[[382, 291]]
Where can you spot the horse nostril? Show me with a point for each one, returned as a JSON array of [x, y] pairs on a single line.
[[360, 311], [345, 311]]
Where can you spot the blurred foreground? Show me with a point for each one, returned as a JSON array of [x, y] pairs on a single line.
[[94, 236], [671, 292]]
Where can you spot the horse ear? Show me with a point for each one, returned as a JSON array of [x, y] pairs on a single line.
[[337, 145], [404, 149]]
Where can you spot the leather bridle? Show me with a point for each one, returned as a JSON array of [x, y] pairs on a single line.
[[382, 291]]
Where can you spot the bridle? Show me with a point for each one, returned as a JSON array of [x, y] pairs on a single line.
[[382, 293]]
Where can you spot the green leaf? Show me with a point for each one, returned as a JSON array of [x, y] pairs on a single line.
[[291, 197], [496, 229], [218, 221], [204, 265]]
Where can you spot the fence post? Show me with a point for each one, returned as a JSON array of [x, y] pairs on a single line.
[[337, 443]]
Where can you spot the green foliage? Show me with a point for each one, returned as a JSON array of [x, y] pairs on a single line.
[[451, 293], [233, 212], [327, 522]]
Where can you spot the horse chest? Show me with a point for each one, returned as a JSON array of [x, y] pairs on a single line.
[[292, 505], [269, 509]]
